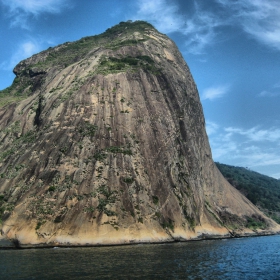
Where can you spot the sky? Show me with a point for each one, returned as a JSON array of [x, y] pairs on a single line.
[[232, 48]]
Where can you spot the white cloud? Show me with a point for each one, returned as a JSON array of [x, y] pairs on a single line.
[[256, 148], [221, 150], [211, 128], [258, 158], [163, 15], [34, 7], [214, 92], [272, 92], [266, 93], [198, 29], [23, 51], [259, 18], [255, 134], [20, 10]]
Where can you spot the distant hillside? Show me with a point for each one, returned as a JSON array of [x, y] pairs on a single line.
[[261, 190]]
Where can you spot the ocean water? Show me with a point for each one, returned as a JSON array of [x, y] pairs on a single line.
[[244, 258]]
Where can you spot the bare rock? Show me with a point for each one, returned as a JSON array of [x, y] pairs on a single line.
[[103, 141]]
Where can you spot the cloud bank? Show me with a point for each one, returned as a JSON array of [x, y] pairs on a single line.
[[198, 28], [19, 11], [24, 50], [246, 147], [214, 92], [272, 92], [34, 6], [258, 18]]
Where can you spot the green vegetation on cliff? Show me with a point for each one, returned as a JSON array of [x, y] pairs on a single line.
[[71, 52], [261, 190], [30, 76]]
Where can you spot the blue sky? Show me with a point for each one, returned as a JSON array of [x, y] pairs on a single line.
[[231, 47]]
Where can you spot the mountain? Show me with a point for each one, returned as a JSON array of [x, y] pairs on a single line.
[[261, 190], [103, 142]]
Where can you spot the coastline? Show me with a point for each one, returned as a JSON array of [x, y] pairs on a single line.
[[15, 245]]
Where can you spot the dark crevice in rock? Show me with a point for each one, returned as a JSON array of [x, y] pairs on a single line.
[[37, 119]]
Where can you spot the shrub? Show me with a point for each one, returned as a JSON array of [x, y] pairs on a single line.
[[87, 129], [39, 224], [128, 180], [168, 224], [155, 199], [51, 189], [100, 156], [255, 222]]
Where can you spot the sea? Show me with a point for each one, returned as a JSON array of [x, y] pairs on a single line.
[[240, 258]]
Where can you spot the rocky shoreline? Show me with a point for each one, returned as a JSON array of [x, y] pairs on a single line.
[[15, 245]]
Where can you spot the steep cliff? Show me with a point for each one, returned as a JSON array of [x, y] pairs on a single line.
[[103, 142]]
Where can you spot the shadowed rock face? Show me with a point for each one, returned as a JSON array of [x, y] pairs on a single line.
[[103, 142]]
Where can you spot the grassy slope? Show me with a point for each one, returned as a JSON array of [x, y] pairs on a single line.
[[69, 53], [261, 190]]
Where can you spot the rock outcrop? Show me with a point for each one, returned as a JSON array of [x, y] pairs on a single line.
[[103, 142]]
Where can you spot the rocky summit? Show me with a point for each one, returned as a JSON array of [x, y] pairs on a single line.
[[103, 141]]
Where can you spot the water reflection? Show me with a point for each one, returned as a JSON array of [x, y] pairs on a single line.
[[247, 258]]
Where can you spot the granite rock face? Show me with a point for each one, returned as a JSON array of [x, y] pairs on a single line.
[[103, 141]]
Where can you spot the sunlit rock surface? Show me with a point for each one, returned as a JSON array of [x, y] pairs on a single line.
[[103, 141]]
